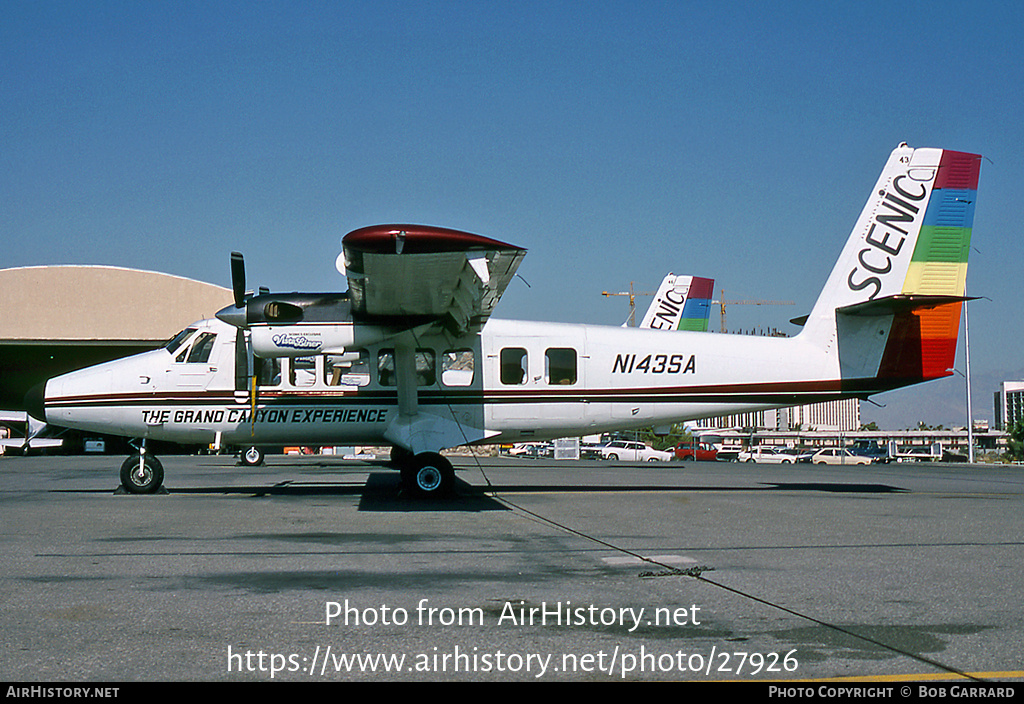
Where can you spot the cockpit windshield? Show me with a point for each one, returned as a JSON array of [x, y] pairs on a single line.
[[178, 340]]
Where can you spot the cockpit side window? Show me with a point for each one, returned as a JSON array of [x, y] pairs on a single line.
[[200, 353], [178, 340]]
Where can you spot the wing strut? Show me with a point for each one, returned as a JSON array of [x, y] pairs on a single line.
[[405, 376]]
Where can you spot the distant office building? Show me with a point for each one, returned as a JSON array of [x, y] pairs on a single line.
[[1009, 404], [840, 416], [834, 415]]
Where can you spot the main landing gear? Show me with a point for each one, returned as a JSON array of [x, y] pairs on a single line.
[[426, 475]]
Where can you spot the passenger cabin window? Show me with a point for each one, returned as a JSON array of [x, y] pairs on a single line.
[[560, 365], [200, 353], [351, 368], [457, 368], [513, 365], [426, 368], [302, 371], [268, 371]]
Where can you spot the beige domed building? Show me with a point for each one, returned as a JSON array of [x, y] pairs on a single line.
[[54, 319]]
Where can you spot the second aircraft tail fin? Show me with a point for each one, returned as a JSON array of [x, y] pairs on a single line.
[[681, 303]]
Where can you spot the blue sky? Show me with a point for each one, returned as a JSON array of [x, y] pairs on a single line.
[[615, 141]]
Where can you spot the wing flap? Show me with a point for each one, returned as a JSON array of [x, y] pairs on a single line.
[[414, 273]]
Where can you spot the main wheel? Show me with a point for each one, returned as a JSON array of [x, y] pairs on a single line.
[[144, 477], [400, 456], [429, 474], [252, 457]]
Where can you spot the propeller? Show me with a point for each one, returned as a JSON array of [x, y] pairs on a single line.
[[238, 278], [237, 317]]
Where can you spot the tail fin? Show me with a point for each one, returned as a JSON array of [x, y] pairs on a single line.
[[681, 303], [891, 307]]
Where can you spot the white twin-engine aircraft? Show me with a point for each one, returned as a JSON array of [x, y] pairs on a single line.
[[411, 357]]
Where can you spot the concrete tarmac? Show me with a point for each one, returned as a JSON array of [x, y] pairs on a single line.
[[320, 569]]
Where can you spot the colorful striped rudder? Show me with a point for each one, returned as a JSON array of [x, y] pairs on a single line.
[[923, 343]]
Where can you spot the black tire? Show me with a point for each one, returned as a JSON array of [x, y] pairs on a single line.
[[429, 475], [148, 481], [401, 456], [252, 457]]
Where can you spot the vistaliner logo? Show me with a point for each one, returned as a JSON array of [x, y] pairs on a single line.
[[296, 341]]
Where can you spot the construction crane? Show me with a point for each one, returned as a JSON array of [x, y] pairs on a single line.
[[756, 302], [721, 303], [632, 300]]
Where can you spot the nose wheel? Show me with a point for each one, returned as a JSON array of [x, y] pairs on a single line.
[[142, 474], [252, 457]]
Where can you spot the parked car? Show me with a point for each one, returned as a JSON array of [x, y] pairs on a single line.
[[702, 452], [837, 455], [800, 454], [729, 453], [872, 450], [766, 455], [633, 451], [531, 449]]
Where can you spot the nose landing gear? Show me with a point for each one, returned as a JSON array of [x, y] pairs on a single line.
[[142, 474]]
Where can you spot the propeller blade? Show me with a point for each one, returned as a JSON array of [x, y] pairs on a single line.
[[238, 278]]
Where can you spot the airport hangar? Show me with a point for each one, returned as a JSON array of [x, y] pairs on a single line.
[[54, 319]]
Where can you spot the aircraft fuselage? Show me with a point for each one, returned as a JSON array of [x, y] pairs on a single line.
[[515, 380]]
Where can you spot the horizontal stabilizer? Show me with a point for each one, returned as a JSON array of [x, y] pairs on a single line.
[[900, 303]]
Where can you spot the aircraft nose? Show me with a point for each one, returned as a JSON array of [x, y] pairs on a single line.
[[234, 315], [35, 401]]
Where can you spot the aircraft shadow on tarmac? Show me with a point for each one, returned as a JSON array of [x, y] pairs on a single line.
[[383, 492], [380, 492]]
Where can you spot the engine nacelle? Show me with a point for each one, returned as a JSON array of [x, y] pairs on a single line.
[[301, 340]]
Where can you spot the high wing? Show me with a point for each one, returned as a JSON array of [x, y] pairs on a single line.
[[400, 277], [402, 273]]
